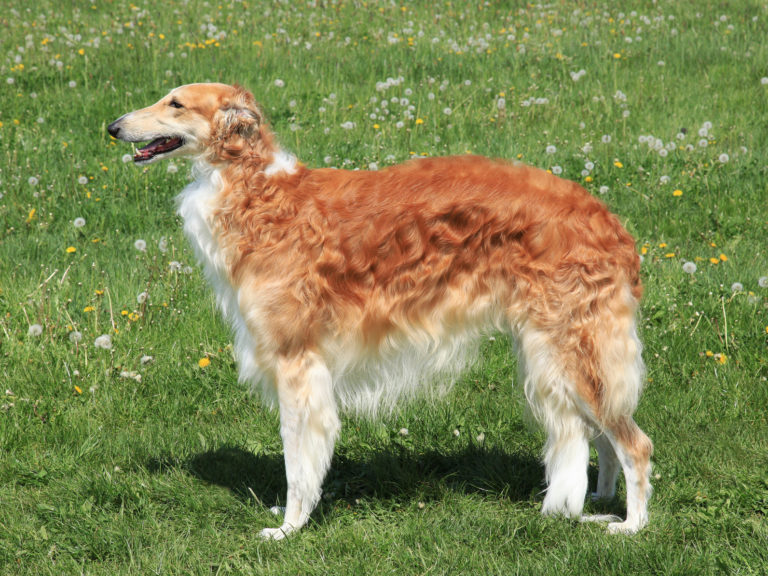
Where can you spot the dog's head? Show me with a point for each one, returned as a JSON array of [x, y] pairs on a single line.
[[193, 120]]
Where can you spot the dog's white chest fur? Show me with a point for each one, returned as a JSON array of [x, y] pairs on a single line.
[[195, 206]]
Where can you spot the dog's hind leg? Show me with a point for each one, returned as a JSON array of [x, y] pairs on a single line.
[[550, 396], [633, 449], [608, 468], [309, 425]]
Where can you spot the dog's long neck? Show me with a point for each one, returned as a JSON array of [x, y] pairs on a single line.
[[256, 157]]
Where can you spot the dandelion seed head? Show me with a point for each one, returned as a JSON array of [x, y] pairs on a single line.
[[762, 281], [72, 84], [104, 342], [557, 170], [82, 180], [723, 158], [35, 330], [142, 298], [279, 83], [140, 245], [126, 158], [689, 268], [172, 168], [75, 336], [551, 149], [78, 222], [33, 181], [737, 287]]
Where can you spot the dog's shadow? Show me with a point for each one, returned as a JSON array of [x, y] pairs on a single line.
[[392, 474]]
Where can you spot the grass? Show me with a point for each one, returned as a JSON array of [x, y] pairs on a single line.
[[101, 473]]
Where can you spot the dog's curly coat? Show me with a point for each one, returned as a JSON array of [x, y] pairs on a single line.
[[354, 288]]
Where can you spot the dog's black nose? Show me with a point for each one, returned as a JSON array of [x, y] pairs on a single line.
[[114, 128]]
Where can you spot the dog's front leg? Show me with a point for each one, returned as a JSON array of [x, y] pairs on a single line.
[[309, 424]]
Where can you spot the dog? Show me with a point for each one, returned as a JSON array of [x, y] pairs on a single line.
[[355, 289]]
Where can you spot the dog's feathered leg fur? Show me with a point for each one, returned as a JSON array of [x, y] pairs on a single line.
[[309, 425]]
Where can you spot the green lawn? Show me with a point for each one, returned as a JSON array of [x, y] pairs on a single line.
[[141, 459]]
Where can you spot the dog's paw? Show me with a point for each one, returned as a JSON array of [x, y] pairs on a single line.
[[600, 518], [625, 527], [276, 533]]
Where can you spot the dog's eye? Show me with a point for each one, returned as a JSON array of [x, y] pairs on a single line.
[[175, 104]]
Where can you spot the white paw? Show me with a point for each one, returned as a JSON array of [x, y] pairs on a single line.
[[600, 518], [275, 533], [623, 527]]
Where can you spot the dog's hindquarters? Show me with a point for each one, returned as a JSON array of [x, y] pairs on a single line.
[[582, 380]]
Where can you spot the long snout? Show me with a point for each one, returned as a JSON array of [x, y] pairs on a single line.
[[114, 128]]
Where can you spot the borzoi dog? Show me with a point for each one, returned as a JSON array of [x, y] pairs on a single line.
[[352, 289]]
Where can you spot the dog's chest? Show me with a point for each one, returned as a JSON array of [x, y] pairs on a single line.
[[196, 206]]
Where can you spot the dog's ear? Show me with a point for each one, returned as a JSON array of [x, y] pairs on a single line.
[[239, 121]]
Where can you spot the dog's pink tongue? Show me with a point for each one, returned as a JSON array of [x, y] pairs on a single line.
[[156, 147]]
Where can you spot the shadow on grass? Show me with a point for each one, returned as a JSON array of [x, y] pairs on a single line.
[[393, 474]]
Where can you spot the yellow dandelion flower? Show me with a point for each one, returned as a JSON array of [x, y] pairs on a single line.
[[618, 164], [723, 257], [588, 179], [617, 56], [669, 255], [766, 329], [71, 250], [98, 292], [203, 362], [714, 260], [376, 126], [78, 390], [644, 250], [31, 215], [133, 316], [663, 245], [677, 193], [721, 358], [88, 309], [81, 52], [419, 121], [709, 353]]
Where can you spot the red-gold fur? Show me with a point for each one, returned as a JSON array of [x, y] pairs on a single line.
[[335, 271]]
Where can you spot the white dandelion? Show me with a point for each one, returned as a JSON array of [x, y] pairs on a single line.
[[127, 158], [557, 170], [140, 245], [142, 297], [104, 342], [551, 149], [279, 83], [689, 268], [75, 336], [78, 222], [32, 181], [82, 180], [723, 158], [762, 281], [35, 330], [737, 287], [403, 432], [172, 168]]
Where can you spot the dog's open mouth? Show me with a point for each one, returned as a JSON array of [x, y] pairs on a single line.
[[156, 147]]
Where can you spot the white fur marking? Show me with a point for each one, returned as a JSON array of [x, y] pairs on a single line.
[[282, 162]]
